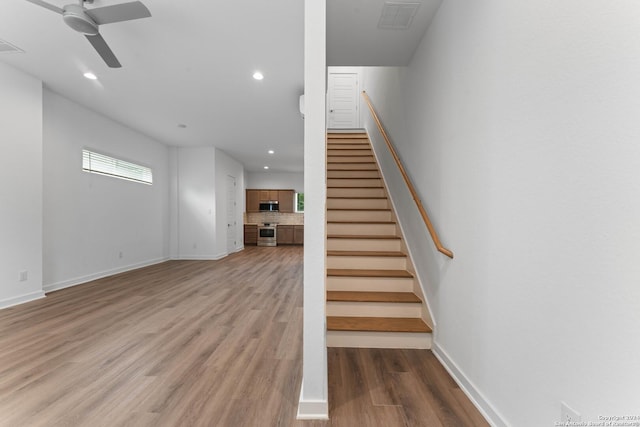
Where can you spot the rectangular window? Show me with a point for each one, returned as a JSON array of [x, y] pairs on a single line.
[[106, 165], [299, 202]]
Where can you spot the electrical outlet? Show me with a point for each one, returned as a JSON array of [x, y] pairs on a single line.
[[120, 255], [24, 275], [568, 415]]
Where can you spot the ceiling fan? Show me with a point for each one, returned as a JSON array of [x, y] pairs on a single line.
[[86, 21]]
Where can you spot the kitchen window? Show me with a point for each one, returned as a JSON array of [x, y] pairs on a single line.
[[299, 202], [102, 164]]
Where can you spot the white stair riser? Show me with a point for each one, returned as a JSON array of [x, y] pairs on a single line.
[[344, 152], [358, 139], [354, 182], [355, 215], [362, 229], [347, 145], [363, 244], [353, 174], [355, 192], [366, 262], [369, 284], [373, 309], [357, 203], [343, 166], [350, 159], [409, 340]]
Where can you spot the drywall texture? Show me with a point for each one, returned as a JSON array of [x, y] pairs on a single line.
[[314, 400], [96, 225], [20, 187], [276, 180], [229, 203], [196, 201], [522, 138], [199, 201]]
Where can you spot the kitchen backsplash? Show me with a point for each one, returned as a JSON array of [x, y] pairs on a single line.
[[274, 217]]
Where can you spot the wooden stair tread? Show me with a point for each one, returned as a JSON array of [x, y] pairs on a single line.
[[350, 296], [361, 209], [366, 236], [360, 222], [343, 272], [377, 188], [356, 197], [352, 170], [343, 135], [356, 177], [377, 324], [390, 254]]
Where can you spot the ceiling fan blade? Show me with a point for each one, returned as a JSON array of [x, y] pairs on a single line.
[[47, 5], [104, 50], [118, 13]]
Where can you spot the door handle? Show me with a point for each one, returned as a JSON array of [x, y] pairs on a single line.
[[331, 111]]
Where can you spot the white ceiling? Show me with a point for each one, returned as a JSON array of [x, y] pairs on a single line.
[[192, 63], [354, 39]]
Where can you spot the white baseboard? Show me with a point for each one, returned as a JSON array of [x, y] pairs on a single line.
[[212, 257], [21, 299], [312, 409], [472, 392], [95, 276]]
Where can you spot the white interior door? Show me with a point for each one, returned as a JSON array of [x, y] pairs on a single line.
[[232, 225], [343, 101]]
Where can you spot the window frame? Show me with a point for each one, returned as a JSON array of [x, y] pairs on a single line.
[[100, 163], [296, 202]]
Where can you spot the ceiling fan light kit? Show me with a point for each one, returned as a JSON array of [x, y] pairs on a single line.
[[87, 21], [75, 17]]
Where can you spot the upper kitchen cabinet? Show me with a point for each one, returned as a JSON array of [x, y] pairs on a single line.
[[285, 200], [253, 200], [268, 195], [283, 197]]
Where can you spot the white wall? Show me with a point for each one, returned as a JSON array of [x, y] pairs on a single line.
[[199, 202], [522, 136], [314, 401], [226, 166], [20, 187], [276, 180], [96, 225]]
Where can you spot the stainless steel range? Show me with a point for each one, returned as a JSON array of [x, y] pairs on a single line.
[[267, 235]]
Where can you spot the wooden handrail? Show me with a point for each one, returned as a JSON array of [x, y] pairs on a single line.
[[412, 190]]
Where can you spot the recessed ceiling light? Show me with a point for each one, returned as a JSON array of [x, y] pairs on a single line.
[[270, 151], [90, 76], [258, 75], [266, 167]]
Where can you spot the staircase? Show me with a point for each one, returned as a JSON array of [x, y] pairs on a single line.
[[373, 299]]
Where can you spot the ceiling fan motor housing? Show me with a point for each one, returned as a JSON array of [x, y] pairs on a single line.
[[75, 17]]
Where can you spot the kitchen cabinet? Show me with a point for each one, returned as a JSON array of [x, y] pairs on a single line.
[[285, 201], [283, 197], [284, 235], [253, 201], [290, 234], [268, 195], [298, 234], [250, 234]]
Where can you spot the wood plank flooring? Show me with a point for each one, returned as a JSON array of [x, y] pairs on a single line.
[[202, 343]]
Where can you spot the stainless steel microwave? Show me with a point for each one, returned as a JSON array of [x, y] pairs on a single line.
[[270, 206]]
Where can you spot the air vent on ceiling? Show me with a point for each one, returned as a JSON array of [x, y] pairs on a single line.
[[6, 47], [397, 15]]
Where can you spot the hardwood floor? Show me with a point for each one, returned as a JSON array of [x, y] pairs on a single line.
[[202, 343]]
